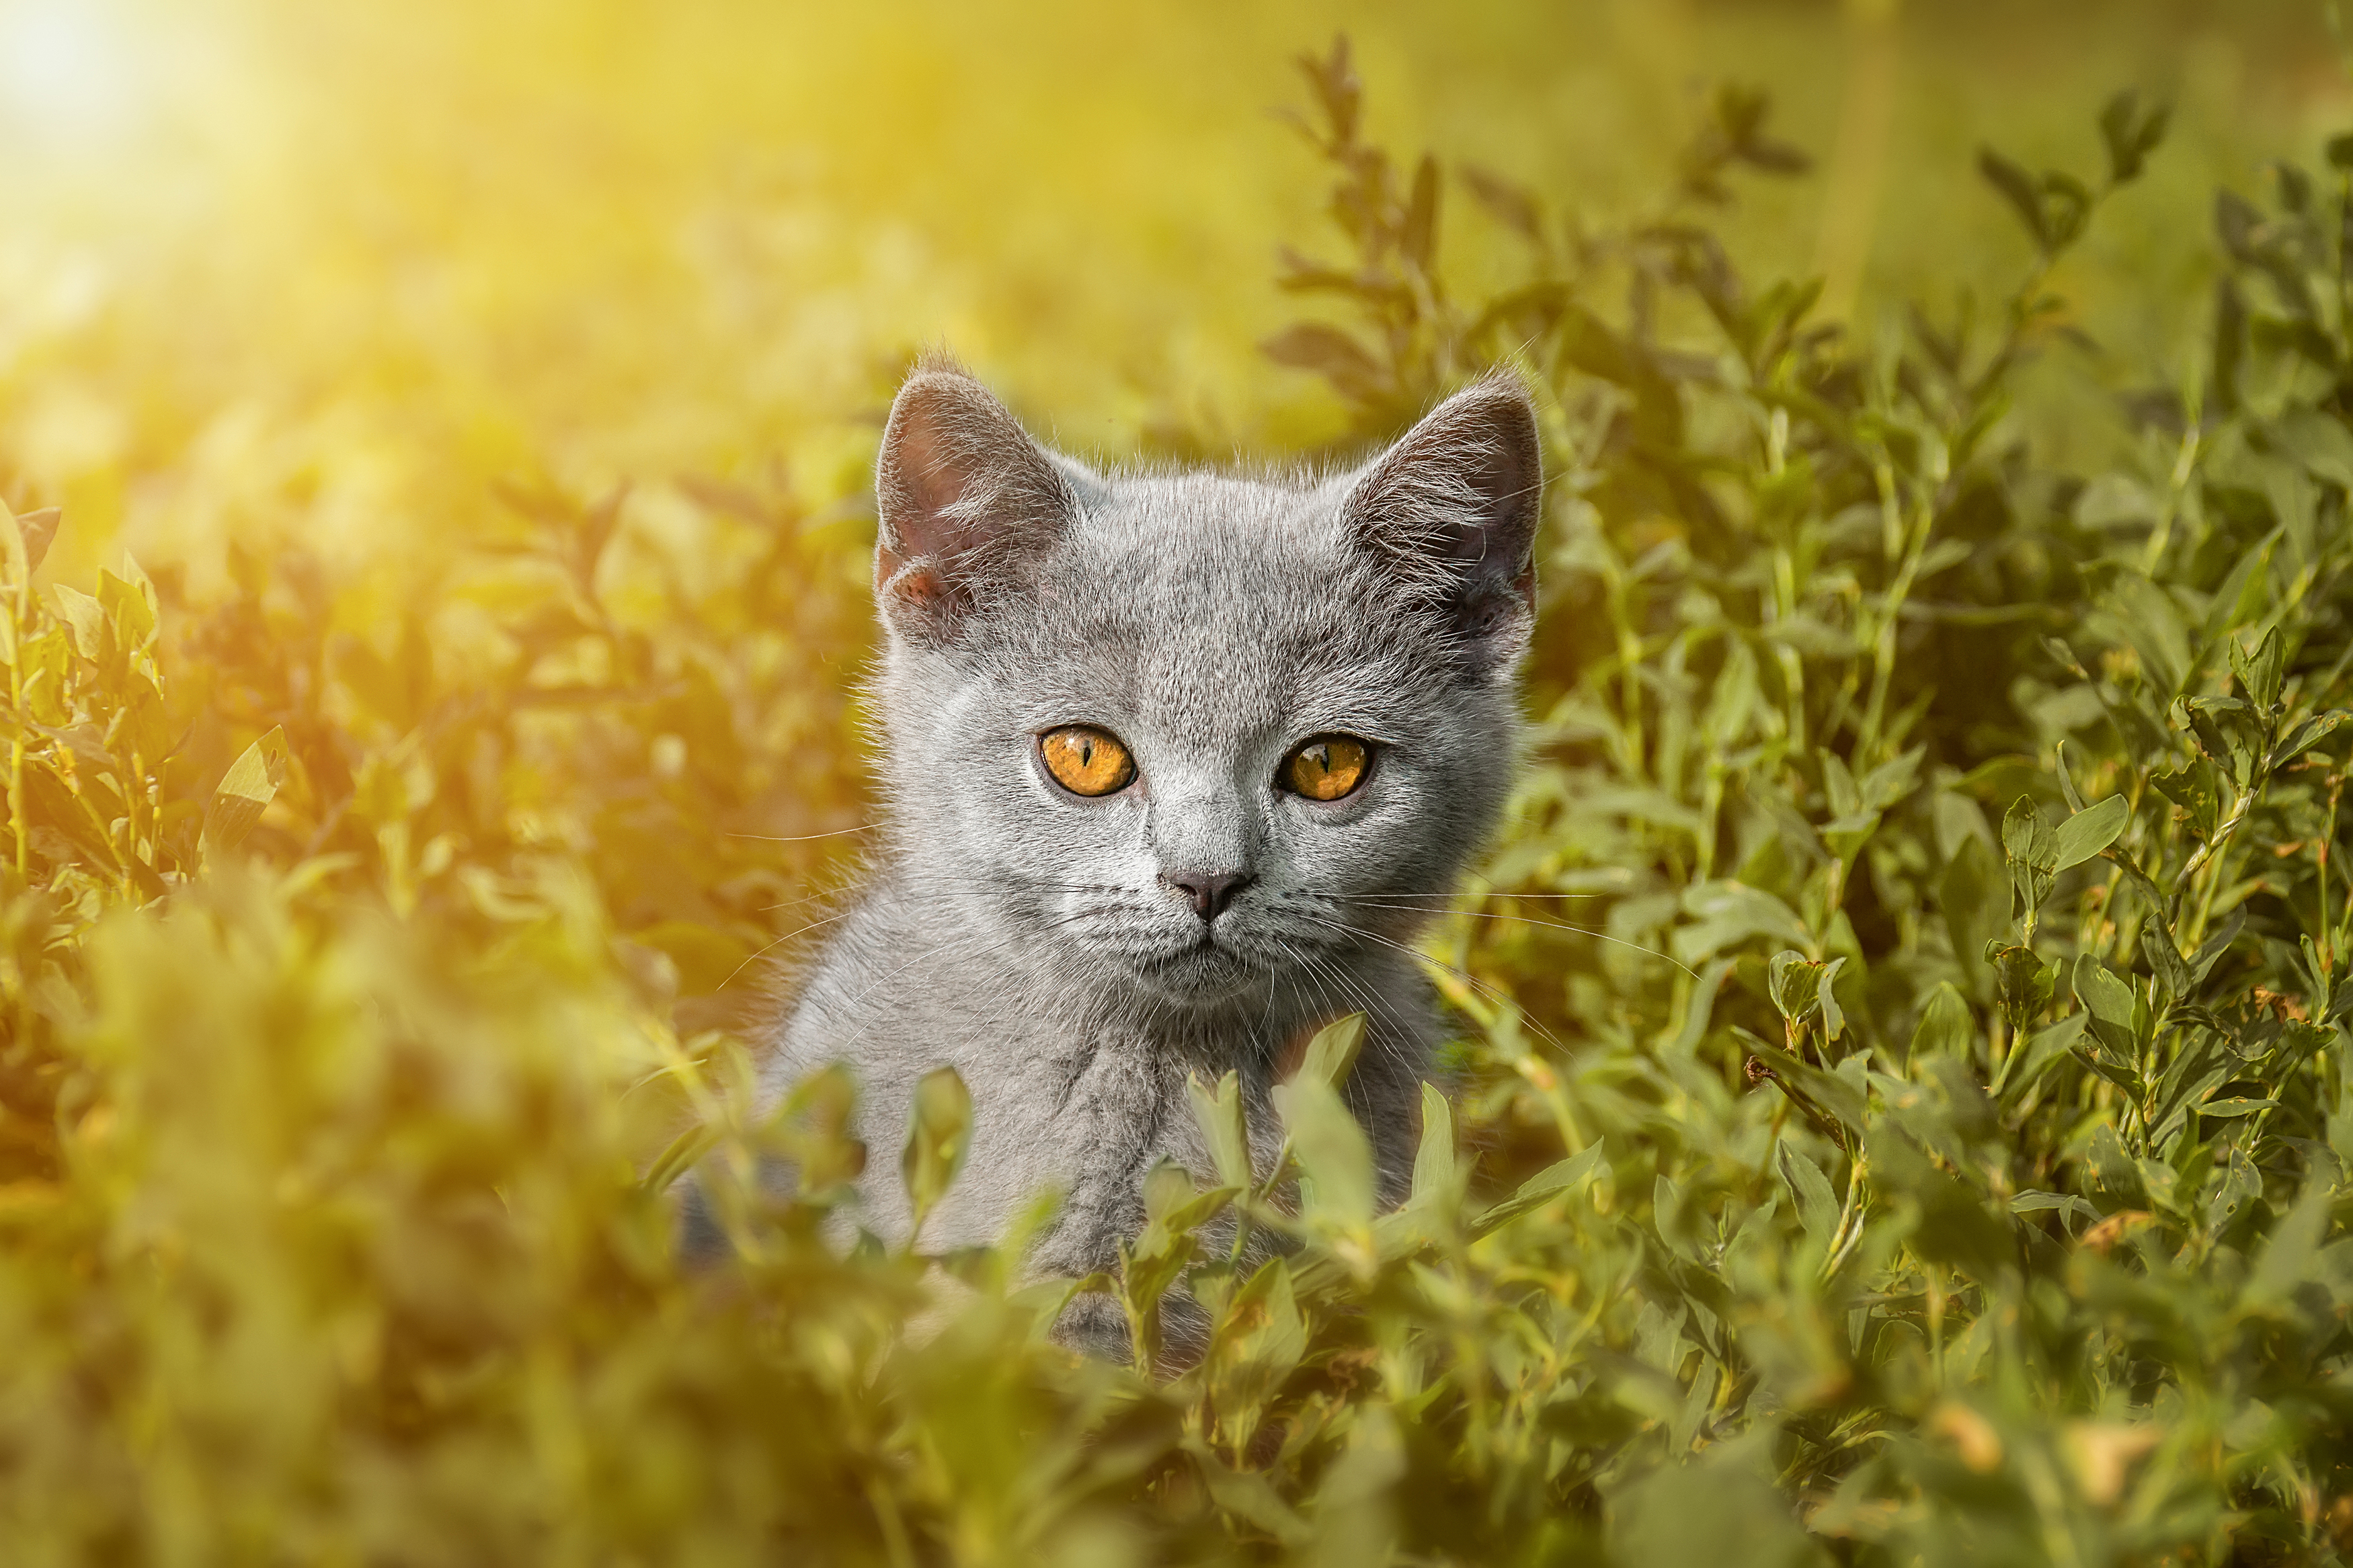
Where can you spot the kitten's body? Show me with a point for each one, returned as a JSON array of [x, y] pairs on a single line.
[[1069, 1093], [1075, 959]]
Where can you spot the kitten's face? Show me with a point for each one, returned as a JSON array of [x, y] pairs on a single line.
[[1196, 731]]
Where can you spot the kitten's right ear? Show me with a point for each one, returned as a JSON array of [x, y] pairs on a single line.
[[1452, 511], [966, 500]]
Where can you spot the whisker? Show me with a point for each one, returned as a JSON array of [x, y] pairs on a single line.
[[805, 838], [1274, 978], [995, 947], [942, 892], [1357, 990], [1370, 1003], [1314, 976], [1556, 925], [1473, 981], [1492, 894], [844, 914], [780, 942]]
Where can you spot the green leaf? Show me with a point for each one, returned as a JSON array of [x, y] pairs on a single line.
[[677, 1157], [2089, 831], [1435, 1166], [1224, 1127], [2229, 349], [1331, 353], [939, 1135], [2156, 944], [2019, 189], [2117, 1071], [15, 557], [2110, 1000], [1418, 239], [1889, 782], [35, 531], [1720, 1509], [1175, 1207], [84, 615], [129, 605], [1513, 204], [2033, 852], [1826, 1000], [1802, 991], [1818, 1205], [2236, 1106], [2218, 941], [2023, 984], [1168, 1188], [1838, 785], [1837, 1098], [2288, 1253], [2235, 1186], [2131, 131], [1249, 1496], [1332, 1054], [816, 1129], [1975, 905], [2065, 1203], [56, 808], [2115, 1169], [1333, 1153], [2226, 731], [2066, 780], [2306, 735], [1791, 982], [245, 792], [1259, 1340], [1946, 1026], [2025, 1064], [1728, 913], [2318, 440], [1541, 1189]]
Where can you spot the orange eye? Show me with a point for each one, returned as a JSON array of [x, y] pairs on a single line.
[[1327, 767], [1087, 761]]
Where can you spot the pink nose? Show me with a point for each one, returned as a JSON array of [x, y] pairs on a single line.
[[1210, 891]]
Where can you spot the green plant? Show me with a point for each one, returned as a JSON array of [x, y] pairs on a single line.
[[1906, 1020], [2068, 1090]]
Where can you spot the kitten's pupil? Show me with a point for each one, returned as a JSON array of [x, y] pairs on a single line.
[[1091, 761], [1327, 768], [1086, 761]]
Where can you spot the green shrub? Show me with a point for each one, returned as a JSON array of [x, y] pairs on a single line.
[[1905, 1113]]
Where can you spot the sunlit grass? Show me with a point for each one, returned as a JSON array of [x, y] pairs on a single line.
[[440, 701]]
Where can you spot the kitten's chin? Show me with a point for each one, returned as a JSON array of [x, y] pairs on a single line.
[[1204, 973]]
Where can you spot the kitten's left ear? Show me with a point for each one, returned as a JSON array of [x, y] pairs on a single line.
[[968, 501], [1451, 511]]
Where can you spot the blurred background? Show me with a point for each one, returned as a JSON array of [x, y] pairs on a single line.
[[320, 275], [440, 699], [490, 390]]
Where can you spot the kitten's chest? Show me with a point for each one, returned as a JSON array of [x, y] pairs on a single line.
[[1091, 1126]]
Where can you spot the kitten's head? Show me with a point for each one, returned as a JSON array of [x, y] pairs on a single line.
[[1181, 731]]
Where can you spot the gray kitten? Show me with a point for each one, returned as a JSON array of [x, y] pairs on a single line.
[[1174, 766]]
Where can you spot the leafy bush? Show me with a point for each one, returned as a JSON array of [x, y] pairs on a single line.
[[1906, 1109]]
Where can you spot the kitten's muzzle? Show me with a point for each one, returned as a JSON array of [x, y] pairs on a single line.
[[1209, 891]]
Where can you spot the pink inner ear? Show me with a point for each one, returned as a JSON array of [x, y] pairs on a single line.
[[923, 588], [887, 566], [928, 465], [918, 587], [963, 497]]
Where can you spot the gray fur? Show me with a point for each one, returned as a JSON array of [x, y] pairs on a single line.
[[1025, 935]]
